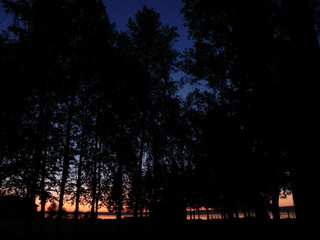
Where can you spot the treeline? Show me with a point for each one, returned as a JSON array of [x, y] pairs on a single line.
[[92, 116]]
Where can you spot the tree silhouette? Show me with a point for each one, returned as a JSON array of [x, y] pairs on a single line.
[[37, 35], [95, 119], [300, 53], [233, 53], [152, 44]]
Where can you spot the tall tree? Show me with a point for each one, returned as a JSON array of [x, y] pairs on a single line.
[[87, 56], [232, 53], [63, 47], [15, 91], [153, 47], [38, 35], [300, 53]]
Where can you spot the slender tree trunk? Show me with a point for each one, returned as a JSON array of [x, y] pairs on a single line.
[[236, 211], [304, 121], [137, 187], [119, 197], [98, 183], [119, 193], [119, 174], [44, 194], [275, 205], [66, 164], [78, 192], [198, 212], [155, 178], [43, 197], [228, 208], [222, 212], [260, 208], [94, 189], [36, 164], [79, 173], [246, 213]]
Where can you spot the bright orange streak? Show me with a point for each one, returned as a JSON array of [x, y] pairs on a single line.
[[286, 202], [68, 207]]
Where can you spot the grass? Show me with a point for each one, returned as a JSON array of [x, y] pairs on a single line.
[[147, 229]]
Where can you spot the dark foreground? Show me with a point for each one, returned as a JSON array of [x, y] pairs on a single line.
[[146, 229]]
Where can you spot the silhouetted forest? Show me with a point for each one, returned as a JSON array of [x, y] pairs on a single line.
[[92, 116]]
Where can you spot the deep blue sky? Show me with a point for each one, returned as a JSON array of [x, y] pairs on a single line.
[[4, 19], [121, 10]]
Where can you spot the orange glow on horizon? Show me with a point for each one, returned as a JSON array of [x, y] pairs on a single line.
[[283, 202], [286, 202], [68, 207]]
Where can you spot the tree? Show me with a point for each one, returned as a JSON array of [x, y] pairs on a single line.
[[233, 54], [152, 44], [63, 47], [15, 91], [88, 56], [300, 53], [37, 34]]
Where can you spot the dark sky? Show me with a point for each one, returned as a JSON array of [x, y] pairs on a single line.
[[120, 11], [4, 19]]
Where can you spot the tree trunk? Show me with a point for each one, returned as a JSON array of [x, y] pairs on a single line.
[[94, 188], [98, 185], [78, 191], [137, 187], [222, 212], [228, 208], [119, 197], [119, 174], [98, 182], [236, 212], [246, 213], [81, 157], [301, 106], [259, 207], [66, 163], [36, 163], [43, 197], [275, 205], [44, 194]]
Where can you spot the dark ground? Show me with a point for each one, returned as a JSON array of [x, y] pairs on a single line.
[[249, 229]]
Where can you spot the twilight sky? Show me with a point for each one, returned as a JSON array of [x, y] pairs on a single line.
[[121, 10]]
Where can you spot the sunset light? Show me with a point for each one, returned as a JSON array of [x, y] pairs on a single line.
[[159, 119], [286, 202]]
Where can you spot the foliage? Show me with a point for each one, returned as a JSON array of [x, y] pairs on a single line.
[[94, 117]]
